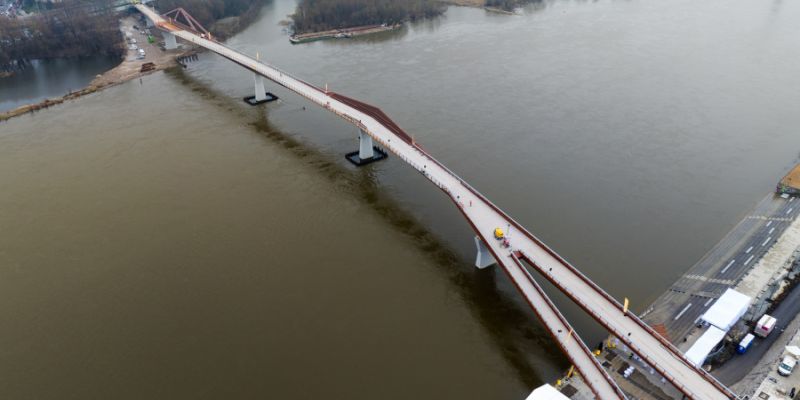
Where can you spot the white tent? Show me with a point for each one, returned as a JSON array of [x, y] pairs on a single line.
[[546, 392], [699, 351], [727, 309]]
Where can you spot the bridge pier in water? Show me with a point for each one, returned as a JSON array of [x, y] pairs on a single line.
[[170, 43], [484, 258], [367, 152], [261, 95]]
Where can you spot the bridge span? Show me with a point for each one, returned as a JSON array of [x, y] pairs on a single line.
[[523, 250]]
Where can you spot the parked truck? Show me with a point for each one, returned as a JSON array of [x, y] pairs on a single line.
[[765, 325]]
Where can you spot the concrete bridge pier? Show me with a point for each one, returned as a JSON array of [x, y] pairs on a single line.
[[260, 94], [170, 42], [484, 257], [367, 152], [366, 149]]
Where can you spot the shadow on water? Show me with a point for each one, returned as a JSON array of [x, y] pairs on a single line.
[[512, 327]]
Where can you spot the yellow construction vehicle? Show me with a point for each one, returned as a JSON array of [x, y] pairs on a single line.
[[498, 234]]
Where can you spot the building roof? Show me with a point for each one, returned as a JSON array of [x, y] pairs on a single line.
[[546, 392], [727, 309], [699, 351]]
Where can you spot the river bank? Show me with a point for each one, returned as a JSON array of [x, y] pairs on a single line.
[[360, 30], [131, 67], [342, 33]]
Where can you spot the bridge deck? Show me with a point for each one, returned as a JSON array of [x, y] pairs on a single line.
[[484, 218]]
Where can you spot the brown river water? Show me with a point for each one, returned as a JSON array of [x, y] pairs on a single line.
[[164, 240]]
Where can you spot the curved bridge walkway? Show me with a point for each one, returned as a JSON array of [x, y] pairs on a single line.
[[525, 249]]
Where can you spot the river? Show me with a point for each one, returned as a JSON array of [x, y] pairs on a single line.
[[164, 240], [45, 79]]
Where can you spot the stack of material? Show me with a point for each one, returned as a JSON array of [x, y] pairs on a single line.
[[791, 182]]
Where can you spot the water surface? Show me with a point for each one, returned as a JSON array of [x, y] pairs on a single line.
[[165, 240], [51, 78]]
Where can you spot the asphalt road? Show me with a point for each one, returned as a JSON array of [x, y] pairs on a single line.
[[722, 267]]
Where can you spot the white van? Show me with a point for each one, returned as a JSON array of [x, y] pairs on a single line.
[[786, 366], [789, 360]]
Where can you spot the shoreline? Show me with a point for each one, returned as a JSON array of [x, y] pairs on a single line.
[[499, 11], [130, 67], [343, 33]]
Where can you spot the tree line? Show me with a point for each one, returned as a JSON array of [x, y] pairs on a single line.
[[320, 15], [75, 28], [66, 30], [209, 11]]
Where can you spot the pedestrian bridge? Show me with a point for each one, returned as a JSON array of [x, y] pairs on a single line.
[[522, 251]]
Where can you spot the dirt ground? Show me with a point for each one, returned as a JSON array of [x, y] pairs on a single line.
[[130, 68], [792, 179]]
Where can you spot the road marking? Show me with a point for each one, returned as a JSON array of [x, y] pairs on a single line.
[[748, 260], [789, 210], [727, 266], [766, 241], [748, 250], [708, 302], [769, 223], [680, 314], [791, 199], [770, 231], [707, 279], [766, 218]]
